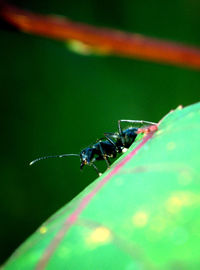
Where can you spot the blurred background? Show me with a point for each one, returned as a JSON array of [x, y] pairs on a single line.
[[54, 101]]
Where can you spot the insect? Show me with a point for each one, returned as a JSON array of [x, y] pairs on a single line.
[[101, 150], [104, 149]]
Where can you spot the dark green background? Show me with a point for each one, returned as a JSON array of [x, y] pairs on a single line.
[[54, 101]]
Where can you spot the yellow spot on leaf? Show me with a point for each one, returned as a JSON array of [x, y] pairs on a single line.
[[140, 219], [181, 199], [171, 146], [43, 230], [174, 204], [159, 132], [100, 235]]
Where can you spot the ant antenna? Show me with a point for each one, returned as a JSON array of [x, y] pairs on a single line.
[[57, 156]]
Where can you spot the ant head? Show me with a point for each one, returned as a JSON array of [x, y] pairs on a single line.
[[86, 156]]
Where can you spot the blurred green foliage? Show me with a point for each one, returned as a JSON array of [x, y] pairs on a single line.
[[55, 101]]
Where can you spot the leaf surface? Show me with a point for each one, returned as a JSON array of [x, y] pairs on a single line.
[[142, 214]]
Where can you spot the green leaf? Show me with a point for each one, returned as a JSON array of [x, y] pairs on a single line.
[[142, 214]]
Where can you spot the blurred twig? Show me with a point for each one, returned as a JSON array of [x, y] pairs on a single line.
[[104, 40]]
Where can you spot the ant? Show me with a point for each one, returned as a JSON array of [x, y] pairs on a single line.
[[101, 150], [104, 149]]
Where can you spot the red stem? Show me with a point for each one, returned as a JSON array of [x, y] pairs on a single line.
[[106, 40]]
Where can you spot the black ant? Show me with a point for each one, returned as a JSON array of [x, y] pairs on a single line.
[[105, 149], [101, 150]]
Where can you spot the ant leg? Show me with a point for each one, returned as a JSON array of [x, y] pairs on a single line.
[[104, 155], [141, 122], [120, 132], [96, 169], [109, 135]]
